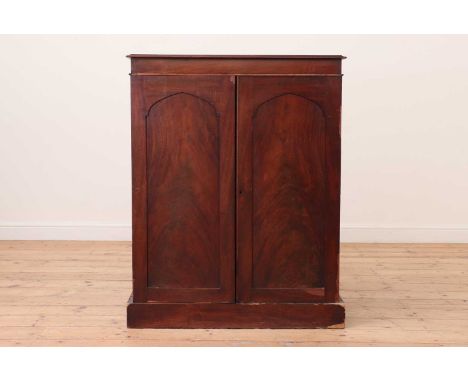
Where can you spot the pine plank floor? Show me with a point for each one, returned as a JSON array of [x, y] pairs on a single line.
[[69, 293]]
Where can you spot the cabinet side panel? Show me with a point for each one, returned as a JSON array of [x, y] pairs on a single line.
[[139, 227], [332, 228]]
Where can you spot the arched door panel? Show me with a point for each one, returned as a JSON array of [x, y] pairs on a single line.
[[283, 206], [189, 192]]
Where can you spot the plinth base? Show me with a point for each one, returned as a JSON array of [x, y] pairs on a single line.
[[235, 316]]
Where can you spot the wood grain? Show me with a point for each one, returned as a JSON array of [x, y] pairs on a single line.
[[285, 232], [75, 293], [288, 193], [288, 189], [183, 194], [242, 65], [235, 316]]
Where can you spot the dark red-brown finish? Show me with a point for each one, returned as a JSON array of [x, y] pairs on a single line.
[[283, 205], [235, 186], [183, 193], [236, 65], [236, 316], [187, 125]]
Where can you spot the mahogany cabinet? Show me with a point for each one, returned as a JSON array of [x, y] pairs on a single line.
[[236, 191]]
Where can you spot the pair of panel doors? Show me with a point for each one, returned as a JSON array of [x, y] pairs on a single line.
[[236, 188]]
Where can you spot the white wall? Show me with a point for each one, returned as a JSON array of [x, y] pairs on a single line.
[[65, 132]]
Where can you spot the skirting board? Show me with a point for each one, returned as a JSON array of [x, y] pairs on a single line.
[[104, 232], [373, 234], [349, 234]]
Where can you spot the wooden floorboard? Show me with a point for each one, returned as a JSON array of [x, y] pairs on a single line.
[[64, 293]]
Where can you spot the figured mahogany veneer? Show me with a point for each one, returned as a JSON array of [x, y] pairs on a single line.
[[236, 191]]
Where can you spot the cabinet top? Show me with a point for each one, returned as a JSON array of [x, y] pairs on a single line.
[[239, 56]]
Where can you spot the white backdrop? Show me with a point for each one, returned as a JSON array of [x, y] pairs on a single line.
[[65, 132]]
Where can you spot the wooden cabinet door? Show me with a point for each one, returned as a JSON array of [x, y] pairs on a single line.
[[288, 175], [183, 145]]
